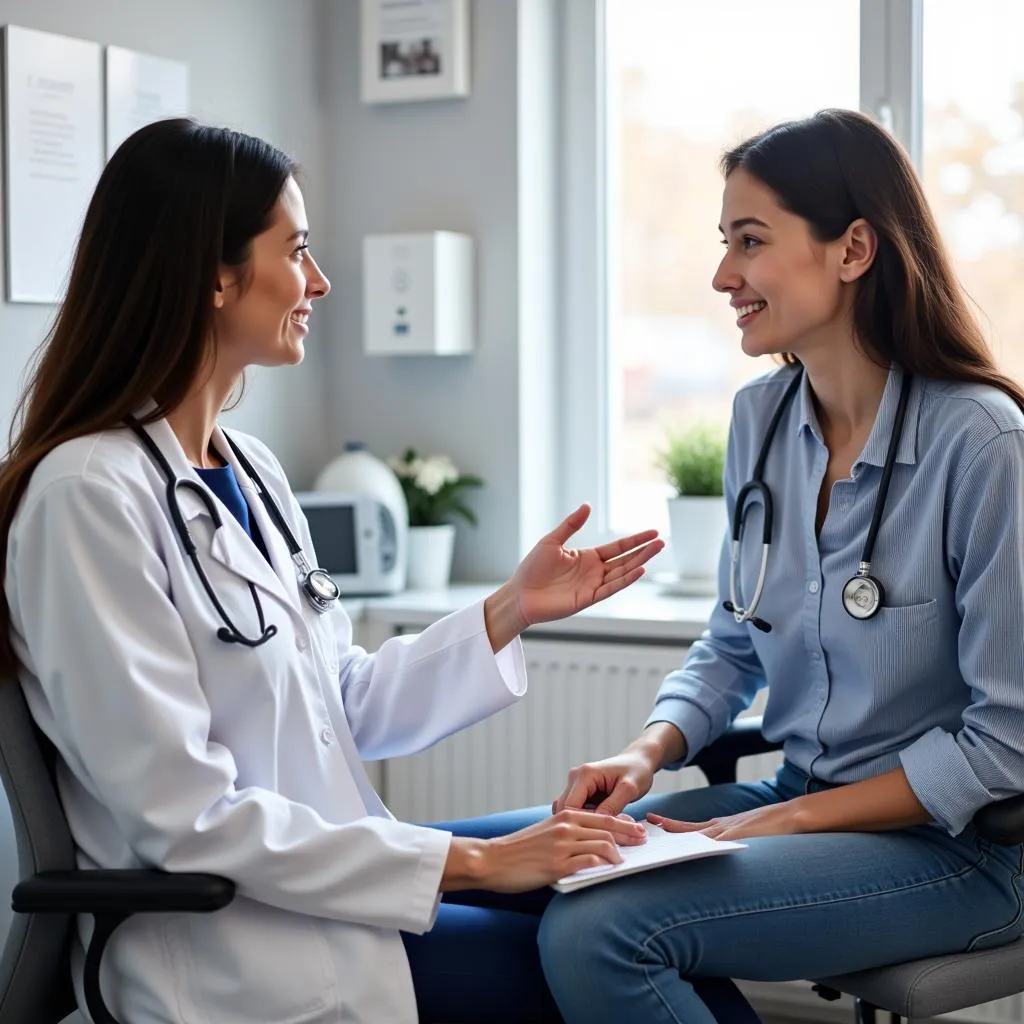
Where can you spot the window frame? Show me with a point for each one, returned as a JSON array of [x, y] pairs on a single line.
[[891, 90]]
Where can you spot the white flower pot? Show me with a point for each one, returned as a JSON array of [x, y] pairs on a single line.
[[697, 526], [430, 556]]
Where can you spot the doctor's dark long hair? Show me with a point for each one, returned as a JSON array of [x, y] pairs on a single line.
[[176, 203], [839, 166]]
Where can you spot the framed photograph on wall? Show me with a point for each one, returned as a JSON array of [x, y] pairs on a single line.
[[414, 50]]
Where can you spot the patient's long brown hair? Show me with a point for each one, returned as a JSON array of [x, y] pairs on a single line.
[[839, 166], [177, 202]]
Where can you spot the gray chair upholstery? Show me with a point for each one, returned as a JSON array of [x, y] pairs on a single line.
[[35, 970], [920, 988]]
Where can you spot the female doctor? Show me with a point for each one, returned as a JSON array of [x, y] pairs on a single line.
[[209, 710], [888, 629]]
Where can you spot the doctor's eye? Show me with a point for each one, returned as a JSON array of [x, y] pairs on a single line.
[[299, 251], [749, 241]]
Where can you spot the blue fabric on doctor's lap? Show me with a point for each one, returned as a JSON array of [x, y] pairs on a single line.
[[481, 962]]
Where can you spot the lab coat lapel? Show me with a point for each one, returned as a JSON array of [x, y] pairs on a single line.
[[230, 545], [283, 572]]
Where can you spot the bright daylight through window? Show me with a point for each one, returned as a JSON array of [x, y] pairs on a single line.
[[686, 80]]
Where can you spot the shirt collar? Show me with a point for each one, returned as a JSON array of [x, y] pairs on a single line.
[[877, 446]]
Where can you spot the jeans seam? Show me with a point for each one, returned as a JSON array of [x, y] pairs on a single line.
[[812, 903], [661, 999], [981, 936]]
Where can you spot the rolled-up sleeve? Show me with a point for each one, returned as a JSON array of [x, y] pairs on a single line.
[[722, 672], [954, 774]]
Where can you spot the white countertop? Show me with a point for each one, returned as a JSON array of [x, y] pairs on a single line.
[[642, 612]]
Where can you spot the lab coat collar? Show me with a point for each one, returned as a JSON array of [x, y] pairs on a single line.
[[230, 546]]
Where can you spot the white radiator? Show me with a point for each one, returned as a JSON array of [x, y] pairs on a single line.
[[586, 701]]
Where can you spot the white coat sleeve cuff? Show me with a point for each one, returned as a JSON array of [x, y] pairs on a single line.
[[689, 719], [425, 897], [942, 779]]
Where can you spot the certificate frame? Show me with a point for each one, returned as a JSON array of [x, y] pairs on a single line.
[[53, 156], [414, 50]]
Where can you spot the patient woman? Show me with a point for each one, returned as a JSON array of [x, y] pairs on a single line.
[[895, 688]]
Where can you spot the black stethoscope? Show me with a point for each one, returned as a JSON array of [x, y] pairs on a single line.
[[863, 595], [316, 584]]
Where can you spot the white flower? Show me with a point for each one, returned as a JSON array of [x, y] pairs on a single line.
[[433, 473]]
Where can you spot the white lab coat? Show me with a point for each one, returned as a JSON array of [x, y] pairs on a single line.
[[183, 752]]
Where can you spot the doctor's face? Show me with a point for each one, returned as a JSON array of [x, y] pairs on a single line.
[[262, 310], [784, 286]]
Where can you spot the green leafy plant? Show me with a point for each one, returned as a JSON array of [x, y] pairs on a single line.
[[693, 460], [433, 488]]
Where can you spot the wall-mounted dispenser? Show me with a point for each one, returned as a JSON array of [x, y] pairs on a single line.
[[418, 294]]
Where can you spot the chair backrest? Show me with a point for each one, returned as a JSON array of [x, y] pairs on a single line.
[[35, 976]]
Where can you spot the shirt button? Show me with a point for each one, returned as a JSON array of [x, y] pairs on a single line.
[[813, 586], [301, 643], [326, 736]]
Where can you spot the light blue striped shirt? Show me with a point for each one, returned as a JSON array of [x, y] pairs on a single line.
[[935, 681]]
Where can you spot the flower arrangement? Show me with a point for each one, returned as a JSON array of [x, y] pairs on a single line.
[[693, 461], [433, 488]]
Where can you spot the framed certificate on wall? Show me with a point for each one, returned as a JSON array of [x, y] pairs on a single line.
[[414, 50]]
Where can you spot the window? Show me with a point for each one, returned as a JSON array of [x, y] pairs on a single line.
[[654, 91], [684, 82], [973, 156]]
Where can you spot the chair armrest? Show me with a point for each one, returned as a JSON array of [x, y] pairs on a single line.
[[121, 892], [742, 739], [1002, 822]]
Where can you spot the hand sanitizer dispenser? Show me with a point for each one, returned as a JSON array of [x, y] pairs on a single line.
[[418, 294]]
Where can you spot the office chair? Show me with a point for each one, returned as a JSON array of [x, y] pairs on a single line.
[[35, 969], [919, 988]]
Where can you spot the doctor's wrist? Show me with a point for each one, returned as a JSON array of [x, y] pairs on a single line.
[[467, 864], [503, 619]]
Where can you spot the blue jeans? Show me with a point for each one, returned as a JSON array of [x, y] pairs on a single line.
[[481, 961], [788, 907]]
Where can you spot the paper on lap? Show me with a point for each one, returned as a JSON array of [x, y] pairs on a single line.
[[660, 849]]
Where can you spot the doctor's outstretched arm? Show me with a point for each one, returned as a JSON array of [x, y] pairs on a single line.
[[417, 689]]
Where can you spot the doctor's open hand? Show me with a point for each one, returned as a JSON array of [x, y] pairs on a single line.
[[554, 581]]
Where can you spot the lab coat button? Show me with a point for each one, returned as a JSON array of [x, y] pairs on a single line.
[[813, 586], [301, 643], [326, 736]]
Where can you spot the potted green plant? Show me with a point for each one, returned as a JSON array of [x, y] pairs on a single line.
[[693, 461], [433, 489]]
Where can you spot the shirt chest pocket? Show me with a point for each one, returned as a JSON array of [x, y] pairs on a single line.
[[898, 645]]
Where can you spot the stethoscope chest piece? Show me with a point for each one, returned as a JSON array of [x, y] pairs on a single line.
[[320, 590], [863, 595]]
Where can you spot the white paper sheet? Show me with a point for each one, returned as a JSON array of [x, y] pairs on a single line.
[[661, 848]]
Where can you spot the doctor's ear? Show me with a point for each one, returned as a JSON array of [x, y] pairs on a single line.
[[227, 287], [859, 248]]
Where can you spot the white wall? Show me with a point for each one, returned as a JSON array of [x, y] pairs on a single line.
[[481, 165], [253, 66]]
